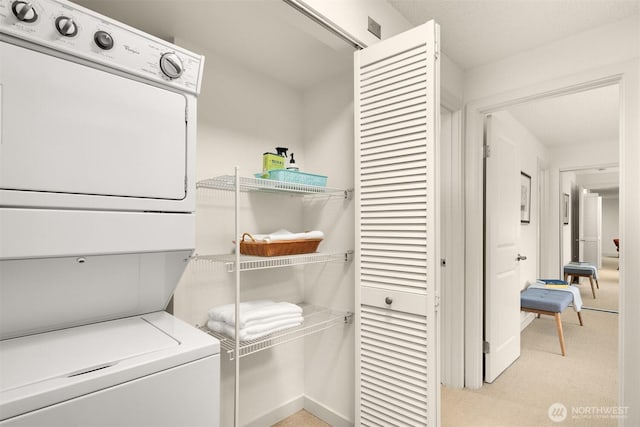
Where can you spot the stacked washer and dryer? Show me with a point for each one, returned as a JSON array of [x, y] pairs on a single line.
[[97, 224]]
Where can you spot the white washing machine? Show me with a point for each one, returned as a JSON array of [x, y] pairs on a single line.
[[97, 224]]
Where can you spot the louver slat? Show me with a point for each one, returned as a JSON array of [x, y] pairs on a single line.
[[394, 376], [396, 129]]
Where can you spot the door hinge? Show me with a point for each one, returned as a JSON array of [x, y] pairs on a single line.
[[486, 151], [486, 347]]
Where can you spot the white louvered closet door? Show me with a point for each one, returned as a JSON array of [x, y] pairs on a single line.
[[397, 248]]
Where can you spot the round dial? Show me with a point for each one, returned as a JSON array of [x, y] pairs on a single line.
[[66, 26], [171, 65], [24, 11], [103, 40]]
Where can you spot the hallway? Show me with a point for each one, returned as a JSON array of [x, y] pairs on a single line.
[[585, 381]]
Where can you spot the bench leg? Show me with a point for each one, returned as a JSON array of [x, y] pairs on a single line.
[[593, 290], [580, 318], [560, 333], [597, 284]]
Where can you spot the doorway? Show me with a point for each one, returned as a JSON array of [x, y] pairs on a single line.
[[601, 182], [547, 131], [474, 254]]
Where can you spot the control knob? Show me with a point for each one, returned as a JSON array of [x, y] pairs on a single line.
[[24, 11], [171, 65], [66, 26], [103, 40]]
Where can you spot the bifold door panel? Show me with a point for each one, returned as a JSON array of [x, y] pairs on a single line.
[[397, 119]]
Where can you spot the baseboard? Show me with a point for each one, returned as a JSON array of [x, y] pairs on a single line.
[[327, 415], [279, 413], [526, 321], [302, 402]]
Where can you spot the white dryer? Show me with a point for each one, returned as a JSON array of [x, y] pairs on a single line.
[[97, 224]]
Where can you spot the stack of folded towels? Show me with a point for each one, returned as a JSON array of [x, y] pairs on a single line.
[[283, 235], [257, 318]]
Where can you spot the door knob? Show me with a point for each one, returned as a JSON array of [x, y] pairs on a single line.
[[521, 257], [388, 300]]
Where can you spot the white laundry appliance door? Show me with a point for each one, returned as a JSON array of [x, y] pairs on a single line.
[[67, 128], [150, 370], [502, 271]]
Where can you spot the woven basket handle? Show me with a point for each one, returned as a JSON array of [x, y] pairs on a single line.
[[242, 239]]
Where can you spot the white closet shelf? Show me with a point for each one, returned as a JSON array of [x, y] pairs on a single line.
[[316, 319], [227, 262], [247, 184]]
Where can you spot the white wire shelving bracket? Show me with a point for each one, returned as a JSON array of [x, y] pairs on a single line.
[[227, 262], [248, 184], [316, 319]]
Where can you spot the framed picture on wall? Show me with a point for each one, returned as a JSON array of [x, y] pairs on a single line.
[[566, 203], [525, 198]]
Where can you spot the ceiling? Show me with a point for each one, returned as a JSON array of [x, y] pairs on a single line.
[[581, 118], [477, 32]]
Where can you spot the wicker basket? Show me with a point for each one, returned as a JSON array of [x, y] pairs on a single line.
[[278, 248]]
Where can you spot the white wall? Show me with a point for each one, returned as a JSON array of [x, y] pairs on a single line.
[[608, 44], [328, 137], [529, 150], [241, 115], [610, 229]]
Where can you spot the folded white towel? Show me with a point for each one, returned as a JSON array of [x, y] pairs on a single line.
[[228, 311], [257, 330], [253, 311], [284, 235]]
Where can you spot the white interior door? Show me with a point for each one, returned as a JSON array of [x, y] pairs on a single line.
[[591, 229], [397, 110], [502, 273]]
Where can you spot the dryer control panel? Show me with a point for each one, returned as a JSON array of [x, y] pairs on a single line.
[[74, 30]]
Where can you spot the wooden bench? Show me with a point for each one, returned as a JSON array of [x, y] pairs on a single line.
[[550, 302]]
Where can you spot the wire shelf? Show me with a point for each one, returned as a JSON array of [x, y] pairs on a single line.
[[247, 184], [227, 262], [316, 319]]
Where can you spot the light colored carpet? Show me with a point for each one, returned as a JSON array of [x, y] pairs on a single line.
[[585, 381]]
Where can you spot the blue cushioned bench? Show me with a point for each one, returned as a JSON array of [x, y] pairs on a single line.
[[582, 269], [550, 302]]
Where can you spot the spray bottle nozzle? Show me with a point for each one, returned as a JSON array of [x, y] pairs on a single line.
[[282, 151]]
